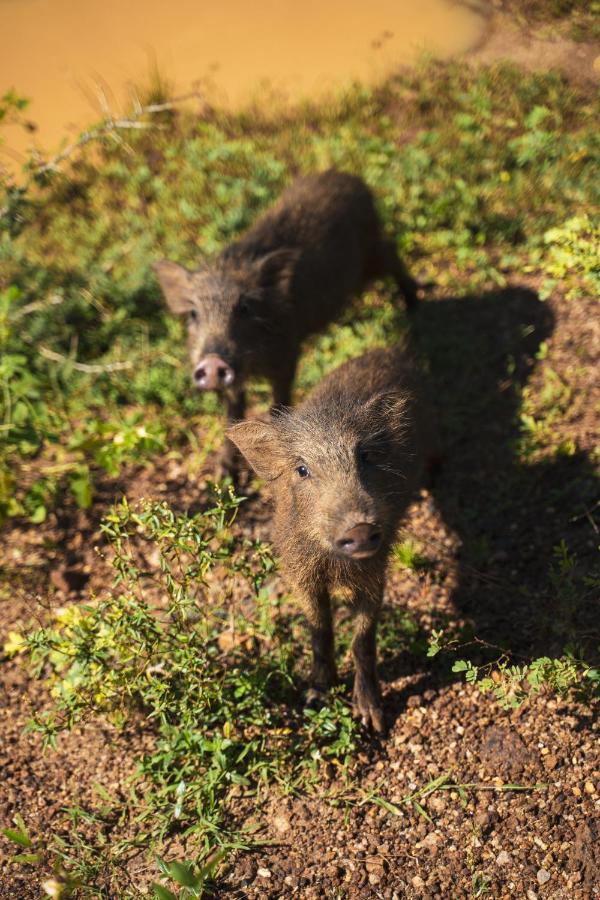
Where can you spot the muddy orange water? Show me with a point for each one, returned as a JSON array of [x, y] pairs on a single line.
[[70, 56]]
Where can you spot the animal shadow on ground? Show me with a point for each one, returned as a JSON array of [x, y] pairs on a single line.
[[510, 515]]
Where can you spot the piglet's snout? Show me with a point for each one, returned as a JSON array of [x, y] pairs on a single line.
[[213, 374], [360, 541]]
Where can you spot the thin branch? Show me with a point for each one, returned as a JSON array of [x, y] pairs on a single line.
[[111, 125], [35, 305], [93, 368]]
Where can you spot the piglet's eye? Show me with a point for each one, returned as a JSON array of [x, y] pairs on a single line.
[[367, 457], [193, 315], [243, 308], [303, 471]]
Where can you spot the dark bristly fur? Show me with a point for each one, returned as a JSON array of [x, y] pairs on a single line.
[[288, 277], [364, 436]]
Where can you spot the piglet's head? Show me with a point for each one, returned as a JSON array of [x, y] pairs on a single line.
[[229, 307], [336, 470]]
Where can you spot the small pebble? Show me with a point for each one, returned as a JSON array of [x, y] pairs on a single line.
[[281, 823], [503, 858], [543, 876], [266, 873]]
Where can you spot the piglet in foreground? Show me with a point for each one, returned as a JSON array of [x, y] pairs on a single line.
[[288, 277], [342, 468]]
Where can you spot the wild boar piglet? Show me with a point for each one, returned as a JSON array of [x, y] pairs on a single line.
[[288, 277], [342, 468]]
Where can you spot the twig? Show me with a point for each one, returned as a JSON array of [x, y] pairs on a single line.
[[495, 788], [87, 136], [93, 368], [29, 308], [111, 125]]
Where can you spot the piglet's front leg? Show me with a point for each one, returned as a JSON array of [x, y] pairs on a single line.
[[320, 623], [283, 382], [230, 460], [366, 695]]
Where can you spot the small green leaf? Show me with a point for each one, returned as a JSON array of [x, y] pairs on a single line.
[[163, 865], [81, 487], [103, 793], [38, 515], [422, 811], [183, 874], [18, 837], [162, 893], [29, 859]]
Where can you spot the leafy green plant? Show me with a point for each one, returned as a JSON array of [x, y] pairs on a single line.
[[31, 425], [408, 555], [512, 683], [212, 677], [511, 680], [191, 879], [61, 885], [573, 255], [11, 106]]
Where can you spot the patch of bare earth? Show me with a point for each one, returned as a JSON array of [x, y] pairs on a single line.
[[538, 843], [488, 528], [538, 48]]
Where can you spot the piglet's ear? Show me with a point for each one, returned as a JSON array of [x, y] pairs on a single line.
[[276, 269], [389, 412], [176, 284], [260, 443]]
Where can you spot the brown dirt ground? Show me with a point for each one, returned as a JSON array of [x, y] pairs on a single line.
[[580, 61], [488, 528], [536, 46]]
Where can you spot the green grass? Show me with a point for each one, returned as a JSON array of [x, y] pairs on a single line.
[[470, 172]]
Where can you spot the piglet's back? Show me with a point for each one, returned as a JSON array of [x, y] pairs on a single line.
[[329, 223], [330, 208], [346, 393]]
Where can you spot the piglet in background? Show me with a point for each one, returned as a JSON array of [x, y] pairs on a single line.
[[288, 277]]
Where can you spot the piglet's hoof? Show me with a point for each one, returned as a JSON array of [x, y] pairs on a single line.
[[371, 716]]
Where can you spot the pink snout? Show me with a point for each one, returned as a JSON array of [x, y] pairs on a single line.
[[213, 374], [359, 542]]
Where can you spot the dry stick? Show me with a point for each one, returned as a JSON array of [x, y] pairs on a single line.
[[110, 126], [32, 307], [93, 368], [107, 128]]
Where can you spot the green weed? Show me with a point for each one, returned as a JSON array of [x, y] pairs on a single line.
[[211, 677], [409, 555], [496, 165]]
